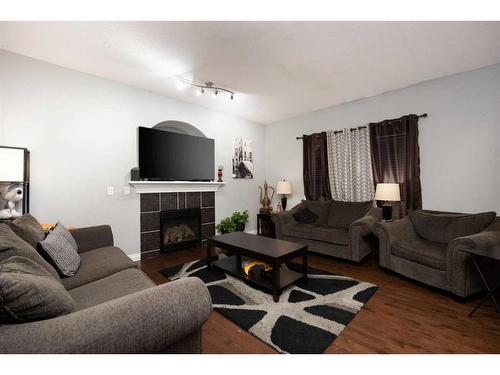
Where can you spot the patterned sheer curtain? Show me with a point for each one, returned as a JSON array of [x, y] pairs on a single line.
[[350, 165]]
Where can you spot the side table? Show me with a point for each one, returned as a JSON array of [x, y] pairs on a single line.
[[265, 225], [491, 253]]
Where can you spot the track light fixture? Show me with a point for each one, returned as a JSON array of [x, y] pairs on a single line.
[[210, 86]]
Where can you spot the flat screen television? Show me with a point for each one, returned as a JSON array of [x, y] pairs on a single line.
[[169, 156]]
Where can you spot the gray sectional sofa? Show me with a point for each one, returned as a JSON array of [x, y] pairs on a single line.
[[427, 246], [118, 308], [342, 229]]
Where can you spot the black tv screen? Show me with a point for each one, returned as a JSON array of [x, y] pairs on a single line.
[[170, 156]]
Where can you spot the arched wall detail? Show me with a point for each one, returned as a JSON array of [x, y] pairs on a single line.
[[179, 127]]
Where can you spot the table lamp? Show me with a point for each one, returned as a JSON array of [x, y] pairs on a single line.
[[14, 170], [284, 188], [12, 164], [388, 193]]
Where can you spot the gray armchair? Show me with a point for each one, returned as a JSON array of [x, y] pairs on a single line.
[[427, 246], [342, 229]]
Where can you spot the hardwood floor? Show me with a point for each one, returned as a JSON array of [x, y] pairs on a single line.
[[402, 317]]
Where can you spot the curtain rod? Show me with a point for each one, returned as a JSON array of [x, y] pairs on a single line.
[[362, 127]]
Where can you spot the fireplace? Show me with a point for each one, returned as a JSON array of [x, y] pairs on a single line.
[[180, 229], [152, 206]]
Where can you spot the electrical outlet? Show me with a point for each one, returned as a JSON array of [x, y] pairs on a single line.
[[126, 190], [111, 190]]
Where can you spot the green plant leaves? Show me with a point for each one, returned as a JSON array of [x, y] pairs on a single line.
[[228, 224]]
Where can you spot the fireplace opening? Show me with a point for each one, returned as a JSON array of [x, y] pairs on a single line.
[[180, 229]]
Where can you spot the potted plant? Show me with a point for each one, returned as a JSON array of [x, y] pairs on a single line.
[[225, 226], [240, 219]]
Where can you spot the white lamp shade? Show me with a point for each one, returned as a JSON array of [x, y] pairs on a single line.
[[284, 187], [387, 192], [11, 165]]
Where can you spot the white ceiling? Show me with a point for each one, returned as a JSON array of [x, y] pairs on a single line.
[[278, 69]]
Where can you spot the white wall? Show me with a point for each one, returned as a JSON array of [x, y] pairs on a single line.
[[459, 141], [81, 131]]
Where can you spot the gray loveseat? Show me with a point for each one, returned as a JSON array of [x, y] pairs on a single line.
[[118, 308], [342, 229], [427, 246]]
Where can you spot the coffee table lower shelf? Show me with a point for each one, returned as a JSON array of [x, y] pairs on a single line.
[[231, 266]]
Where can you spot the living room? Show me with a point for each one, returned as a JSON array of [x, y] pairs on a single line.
[[292, 186]]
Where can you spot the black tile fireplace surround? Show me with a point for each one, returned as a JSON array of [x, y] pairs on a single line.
[[152, 205]]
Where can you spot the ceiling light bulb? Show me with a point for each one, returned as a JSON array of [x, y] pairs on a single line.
[[232, 96]]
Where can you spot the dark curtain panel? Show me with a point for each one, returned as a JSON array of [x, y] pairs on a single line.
[[396, 158], [316, 180]]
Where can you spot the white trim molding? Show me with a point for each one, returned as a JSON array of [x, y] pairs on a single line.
[[142, 187], [135, 257]]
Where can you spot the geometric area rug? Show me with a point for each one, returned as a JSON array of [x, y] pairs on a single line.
[[308, 317]]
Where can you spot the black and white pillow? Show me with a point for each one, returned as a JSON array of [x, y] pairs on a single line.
[[61, 250]]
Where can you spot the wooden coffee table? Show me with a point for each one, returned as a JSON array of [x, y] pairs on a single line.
[[269, 250]]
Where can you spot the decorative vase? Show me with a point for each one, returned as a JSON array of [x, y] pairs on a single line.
[[278, 207], [265, 200], [240, 227]]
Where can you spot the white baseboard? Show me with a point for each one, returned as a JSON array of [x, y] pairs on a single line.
[[253, 231], [135, 257]]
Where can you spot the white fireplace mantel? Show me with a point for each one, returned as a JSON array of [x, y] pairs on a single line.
[[142, 187]]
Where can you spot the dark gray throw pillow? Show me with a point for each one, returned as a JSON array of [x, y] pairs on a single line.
[[319, 208], [305, 215], [11, 244], [60, 249], [28, 292], [29, 229]]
